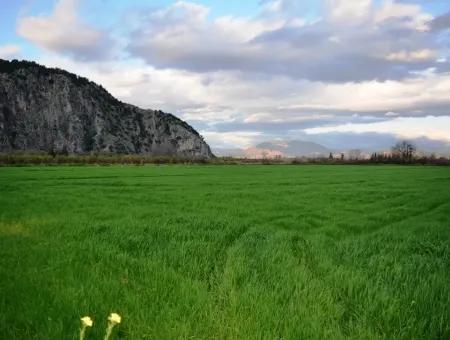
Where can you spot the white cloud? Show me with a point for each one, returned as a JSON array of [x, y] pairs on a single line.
[[436, 128], [349, 11], [424, 91], [419, 55], [9, 51], [235, 139], [408, 15], [269, 117], [64, 32], [391, 114]]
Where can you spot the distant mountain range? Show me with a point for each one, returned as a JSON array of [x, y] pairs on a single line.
[[279, 148], [298, 148]]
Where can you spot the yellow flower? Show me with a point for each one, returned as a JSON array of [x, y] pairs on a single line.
[[86, 321], [114, 318]]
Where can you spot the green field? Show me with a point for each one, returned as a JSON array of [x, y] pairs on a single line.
[[226, 252]]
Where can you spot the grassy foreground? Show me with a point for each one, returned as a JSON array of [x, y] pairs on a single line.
[[217, 252]]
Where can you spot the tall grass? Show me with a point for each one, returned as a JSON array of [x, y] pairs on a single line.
[[215, 252]]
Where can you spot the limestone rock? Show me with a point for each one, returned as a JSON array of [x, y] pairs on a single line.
[[51, 110]]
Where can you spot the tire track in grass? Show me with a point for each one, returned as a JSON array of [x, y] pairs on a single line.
[[426, 211], [268, 271], [217, 271]]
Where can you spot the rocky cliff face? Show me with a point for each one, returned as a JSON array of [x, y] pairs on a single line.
[[51, 110]]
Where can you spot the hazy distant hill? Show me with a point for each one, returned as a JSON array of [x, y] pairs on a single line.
[[296, 148], [292, 148], [51, 110]]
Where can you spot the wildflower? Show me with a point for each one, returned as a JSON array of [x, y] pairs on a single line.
[[113, 319], [86, 321]]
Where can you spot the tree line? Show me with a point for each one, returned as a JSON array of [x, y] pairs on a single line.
[[403, 152]]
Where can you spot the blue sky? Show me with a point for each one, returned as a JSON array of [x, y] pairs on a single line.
[[337, 72]]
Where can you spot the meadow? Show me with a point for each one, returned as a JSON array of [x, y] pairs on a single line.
[[226, 252]]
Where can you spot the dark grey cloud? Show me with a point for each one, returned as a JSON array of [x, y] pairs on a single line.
[[183, 38], [441, 22], [372, 142], [345, 141], [309, 36], [287, 123]]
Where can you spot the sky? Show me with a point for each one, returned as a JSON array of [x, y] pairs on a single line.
[[343, 73]]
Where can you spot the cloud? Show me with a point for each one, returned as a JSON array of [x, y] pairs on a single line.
[[441, 22], [391, 114], [181, 37], [356, 40], [434, 128], [349, 11], [63, 32], [407, 15], [9, 51], [419, 55], [240, 139]]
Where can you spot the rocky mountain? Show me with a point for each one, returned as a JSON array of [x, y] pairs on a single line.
[[51, 110]]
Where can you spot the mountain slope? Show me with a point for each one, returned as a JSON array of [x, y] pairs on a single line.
[[278, 148], [295, 148], [51, 110]]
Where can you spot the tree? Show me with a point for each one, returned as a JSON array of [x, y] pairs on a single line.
[[354, 154], [404, 151]]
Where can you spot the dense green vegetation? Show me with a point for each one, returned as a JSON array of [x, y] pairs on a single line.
[[226, 252]]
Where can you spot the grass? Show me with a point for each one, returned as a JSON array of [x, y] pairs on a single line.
[[226, 252]]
